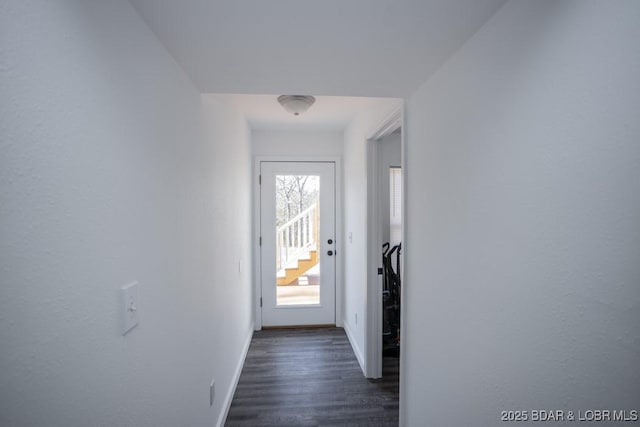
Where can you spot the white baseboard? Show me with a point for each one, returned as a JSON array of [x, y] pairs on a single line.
[[236, 377], [354, 346]]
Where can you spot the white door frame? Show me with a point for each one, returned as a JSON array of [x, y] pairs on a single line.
[[373, 325], [339, 247]]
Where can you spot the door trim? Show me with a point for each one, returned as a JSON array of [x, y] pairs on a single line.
[[256, 295]]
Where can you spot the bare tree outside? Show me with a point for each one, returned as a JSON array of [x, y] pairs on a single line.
[[294, 194]]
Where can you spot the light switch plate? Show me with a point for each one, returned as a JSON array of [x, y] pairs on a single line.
[[129, 306]]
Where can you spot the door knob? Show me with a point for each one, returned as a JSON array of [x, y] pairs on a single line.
[[329, 253]]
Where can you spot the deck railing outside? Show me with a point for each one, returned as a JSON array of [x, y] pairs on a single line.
[[296, 237]]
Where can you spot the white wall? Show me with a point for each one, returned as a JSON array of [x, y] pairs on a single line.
[[297, 143], [354, 210], [228, 231], [390, 155], [106, 178], [521, 289]]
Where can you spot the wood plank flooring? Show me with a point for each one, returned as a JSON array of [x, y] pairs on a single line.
[[310, 377]]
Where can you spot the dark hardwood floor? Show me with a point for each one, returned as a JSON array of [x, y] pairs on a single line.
[[310, 377]]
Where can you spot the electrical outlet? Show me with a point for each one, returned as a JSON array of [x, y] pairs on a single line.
[[212, 391]]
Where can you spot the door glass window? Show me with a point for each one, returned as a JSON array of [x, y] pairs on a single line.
[[297, 238]]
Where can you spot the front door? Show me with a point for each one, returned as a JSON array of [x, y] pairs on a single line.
[[297, 252]]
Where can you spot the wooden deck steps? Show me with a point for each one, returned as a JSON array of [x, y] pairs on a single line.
[[293, 273]]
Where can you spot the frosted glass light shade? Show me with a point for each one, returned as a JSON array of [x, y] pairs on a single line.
[[296, 104]]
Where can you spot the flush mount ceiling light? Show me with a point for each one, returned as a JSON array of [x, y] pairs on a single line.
[[296, 104]]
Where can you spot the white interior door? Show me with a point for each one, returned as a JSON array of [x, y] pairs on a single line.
[[297, 251]]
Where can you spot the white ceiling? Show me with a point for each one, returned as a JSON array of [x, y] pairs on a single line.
[[328, 113], [383, 48]]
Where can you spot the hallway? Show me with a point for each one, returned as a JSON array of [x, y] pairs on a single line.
[[310, 377], [131, 137]]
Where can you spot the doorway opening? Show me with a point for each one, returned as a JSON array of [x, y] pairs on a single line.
[[391, 224], [385, 253]]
